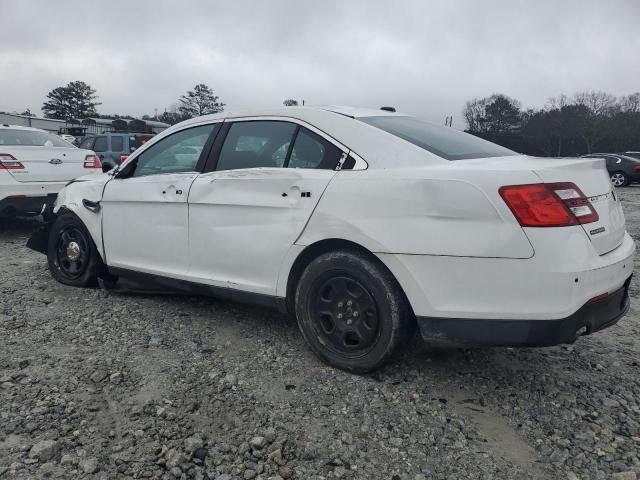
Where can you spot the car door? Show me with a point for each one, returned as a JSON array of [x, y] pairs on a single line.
[[246, 214], [145, 218]]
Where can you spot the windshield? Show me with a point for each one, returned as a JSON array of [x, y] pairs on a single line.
[[31, 138], [446, 142]]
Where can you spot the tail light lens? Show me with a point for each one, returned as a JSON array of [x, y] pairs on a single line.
[[9, 162], [92, 161], [636, 168], [549, 204], [123, 157]]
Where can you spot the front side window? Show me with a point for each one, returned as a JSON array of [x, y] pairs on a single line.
[[256, 144], [30, 138], [312, 151], [445, 142], [100, 145], [176, 153]]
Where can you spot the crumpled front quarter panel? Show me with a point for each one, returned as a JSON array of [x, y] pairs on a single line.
[[71, 198], [416, 211]]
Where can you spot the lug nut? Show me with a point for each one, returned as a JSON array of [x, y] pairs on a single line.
[[349, 322], [355, 314], [349, 303], [339, 315], [340, 304]]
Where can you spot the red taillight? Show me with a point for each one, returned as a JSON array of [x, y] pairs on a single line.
[[9, 162], [92, 161], [636, 168], [123, 157], [548, 204]]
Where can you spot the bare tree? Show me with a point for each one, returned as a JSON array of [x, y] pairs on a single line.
[[630, 103], [598, 103]]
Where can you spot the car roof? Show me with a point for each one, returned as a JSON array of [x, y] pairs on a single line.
[[20, 127]]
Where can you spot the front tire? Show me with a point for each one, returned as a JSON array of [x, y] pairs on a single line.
[[351, 311], [72, 256], [619, 179]]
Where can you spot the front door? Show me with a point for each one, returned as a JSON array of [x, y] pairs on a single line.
[[145, 212], [245, 215]]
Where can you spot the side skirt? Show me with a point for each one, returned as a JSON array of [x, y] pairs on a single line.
[[194, 288]]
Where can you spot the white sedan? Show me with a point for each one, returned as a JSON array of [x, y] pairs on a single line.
[[363, 224], [35, 165]]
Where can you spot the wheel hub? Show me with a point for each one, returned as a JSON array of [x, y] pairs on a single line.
[[346, 315], [73, 251]]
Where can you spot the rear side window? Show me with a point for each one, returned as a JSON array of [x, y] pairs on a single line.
[[445, 142], [100, 145], [31, 138], [312, 151], [117, 144], [256, 144]]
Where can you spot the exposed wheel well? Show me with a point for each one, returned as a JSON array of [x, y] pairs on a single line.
[[312, 252]]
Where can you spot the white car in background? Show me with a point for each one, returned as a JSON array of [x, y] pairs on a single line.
[[35, 165], [362, 223]]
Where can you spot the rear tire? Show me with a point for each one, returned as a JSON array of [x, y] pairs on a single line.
[[351, 311], [72, 256], [619, 179]]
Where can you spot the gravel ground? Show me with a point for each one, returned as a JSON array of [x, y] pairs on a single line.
[[111, 385]]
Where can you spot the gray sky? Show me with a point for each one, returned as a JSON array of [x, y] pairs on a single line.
[[423, 57]]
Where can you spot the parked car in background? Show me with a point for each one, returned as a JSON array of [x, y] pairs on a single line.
[[363, 224], [67, 138], [623, 169], [35, 165], [114, 148], [631, 154]]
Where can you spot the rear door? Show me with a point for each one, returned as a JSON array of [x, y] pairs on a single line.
[[246, 215], [43, 157]]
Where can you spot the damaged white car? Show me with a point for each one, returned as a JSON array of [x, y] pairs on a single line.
[[363, 224]]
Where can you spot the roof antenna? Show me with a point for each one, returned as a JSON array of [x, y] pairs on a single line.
[[388, 109]]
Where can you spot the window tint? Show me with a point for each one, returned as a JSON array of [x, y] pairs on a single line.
[[100, 145], [117, 144], [87, 143], [446, 142], [176, 153], [256, 144], [31, 138], [312, 151]]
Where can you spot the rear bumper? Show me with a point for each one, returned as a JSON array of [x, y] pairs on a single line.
[[590, 318]]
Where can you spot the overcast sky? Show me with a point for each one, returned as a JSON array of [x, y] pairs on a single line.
[[423, 57]]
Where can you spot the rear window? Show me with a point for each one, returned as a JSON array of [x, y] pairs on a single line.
[[446, 142], [31, 138], [136, 141]]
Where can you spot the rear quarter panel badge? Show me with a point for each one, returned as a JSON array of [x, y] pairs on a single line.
[[596, 231]]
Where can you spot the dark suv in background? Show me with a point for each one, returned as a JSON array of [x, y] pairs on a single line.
[[114, 148]]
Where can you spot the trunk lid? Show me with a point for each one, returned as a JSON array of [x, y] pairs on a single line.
[[591, 176], [47, 164]]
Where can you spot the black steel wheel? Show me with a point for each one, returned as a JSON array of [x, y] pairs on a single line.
[[351, 311], [345, 314], [71, 253]]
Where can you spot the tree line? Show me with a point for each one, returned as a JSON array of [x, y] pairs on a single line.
[[78, 100], [586, 122]]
